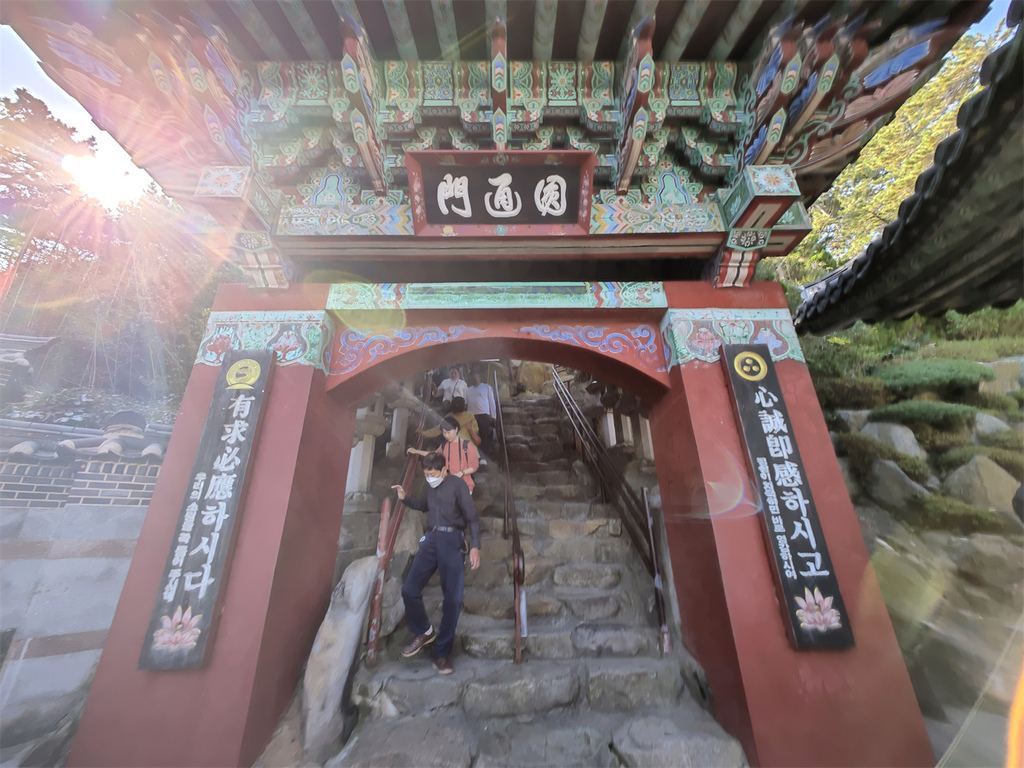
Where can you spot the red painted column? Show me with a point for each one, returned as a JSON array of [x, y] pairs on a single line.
[[788, 708], [277, 588]]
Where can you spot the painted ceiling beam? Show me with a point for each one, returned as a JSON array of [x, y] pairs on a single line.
[[683, 30], [398, 19], [734, 29], [305, 29], [642, 9], [789, 8], [261, 32], [492, 10], [590, 29], [447, 35], [544, 29], [348, 7]]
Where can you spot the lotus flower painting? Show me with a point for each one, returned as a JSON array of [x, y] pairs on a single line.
[[816, 612], [178, 633]]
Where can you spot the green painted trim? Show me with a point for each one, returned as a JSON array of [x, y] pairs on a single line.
[[406, 296]]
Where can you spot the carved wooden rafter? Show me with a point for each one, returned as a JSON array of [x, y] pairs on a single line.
[[637, 80]]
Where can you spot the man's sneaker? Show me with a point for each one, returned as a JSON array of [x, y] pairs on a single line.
[[418, 642], [443, 666]]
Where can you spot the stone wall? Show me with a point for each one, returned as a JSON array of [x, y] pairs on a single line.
[[67, 534]]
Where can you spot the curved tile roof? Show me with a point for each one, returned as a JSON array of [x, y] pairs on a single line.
[[958, 241]]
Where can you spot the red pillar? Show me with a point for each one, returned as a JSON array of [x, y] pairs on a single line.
[[277, 589], [787, 707]]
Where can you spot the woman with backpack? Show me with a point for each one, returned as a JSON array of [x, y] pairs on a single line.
[[461, 456]]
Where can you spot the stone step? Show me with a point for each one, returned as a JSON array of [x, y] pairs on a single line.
[[588, 575], [485, 689], [552, 492], [680, 734], [553, 638], [563, 510]]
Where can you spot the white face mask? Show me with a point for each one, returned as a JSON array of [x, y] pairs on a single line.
[[433, 482]]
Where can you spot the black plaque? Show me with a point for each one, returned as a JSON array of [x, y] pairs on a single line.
[[808, 589], [502, 194], [181, 628]]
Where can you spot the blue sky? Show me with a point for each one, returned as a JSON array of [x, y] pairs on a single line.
[[19, 68]]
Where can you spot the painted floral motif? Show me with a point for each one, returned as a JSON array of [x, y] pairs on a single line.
[[698, 334], [298, 338], [816, 612], [178, 632]]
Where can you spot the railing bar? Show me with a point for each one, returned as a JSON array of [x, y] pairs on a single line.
[[627, 514], [387, 535], [512, 523]]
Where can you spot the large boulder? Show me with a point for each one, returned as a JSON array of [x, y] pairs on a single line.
[[896, 436], [983, 483], [984, 424], [989, 561], [854, 420], [533, 375], [852, 486], [1008, 376], [331, 659], [889, 485], [914, 579]]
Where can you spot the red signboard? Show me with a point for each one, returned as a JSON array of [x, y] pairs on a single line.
[[486, 193]]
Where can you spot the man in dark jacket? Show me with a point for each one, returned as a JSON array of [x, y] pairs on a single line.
[[450, 511]]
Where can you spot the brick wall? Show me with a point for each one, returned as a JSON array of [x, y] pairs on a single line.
[[36, 485], [117, 483]]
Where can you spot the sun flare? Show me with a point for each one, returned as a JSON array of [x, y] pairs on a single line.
[[101, 180]]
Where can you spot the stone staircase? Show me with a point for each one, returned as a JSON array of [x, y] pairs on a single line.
[[593, 688]]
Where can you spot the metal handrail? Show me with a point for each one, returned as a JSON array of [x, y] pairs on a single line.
[[387, 535], [634, 511], [512, 526]]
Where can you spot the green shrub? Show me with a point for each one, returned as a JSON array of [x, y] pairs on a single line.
[[979, 350], [943, 376], [986, 323], [1018, 395], [1011, 461], [936, 440], [943, 513], [863, 451], [851, 393], [938, 414], [841, 355], [990, 401], [1008, 439], [835, 423]]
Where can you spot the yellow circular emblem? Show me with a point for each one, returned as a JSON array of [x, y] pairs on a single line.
[[243, 374], [751, 366]]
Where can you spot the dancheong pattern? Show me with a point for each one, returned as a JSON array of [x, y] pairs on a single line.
[[356, 349], [406, 296], [642, 342], [298, 338], [698, 334]]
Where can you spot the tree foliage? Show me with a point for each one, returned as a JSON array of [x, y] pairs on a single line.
[[867, 194], [126, 291]]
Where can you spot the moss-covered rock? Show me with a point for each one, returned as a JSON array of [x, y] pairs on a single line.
[[852, 393], [949, 377], [863, 451], [944, 513], [1011, 461], [939, 414], [935, 440]]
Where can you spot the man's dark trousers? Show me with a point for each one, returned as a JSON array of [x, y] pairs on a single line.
[[442, 552]]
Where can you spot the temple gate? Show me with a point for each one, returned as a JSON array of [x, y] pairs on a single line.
[[365, 173]]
